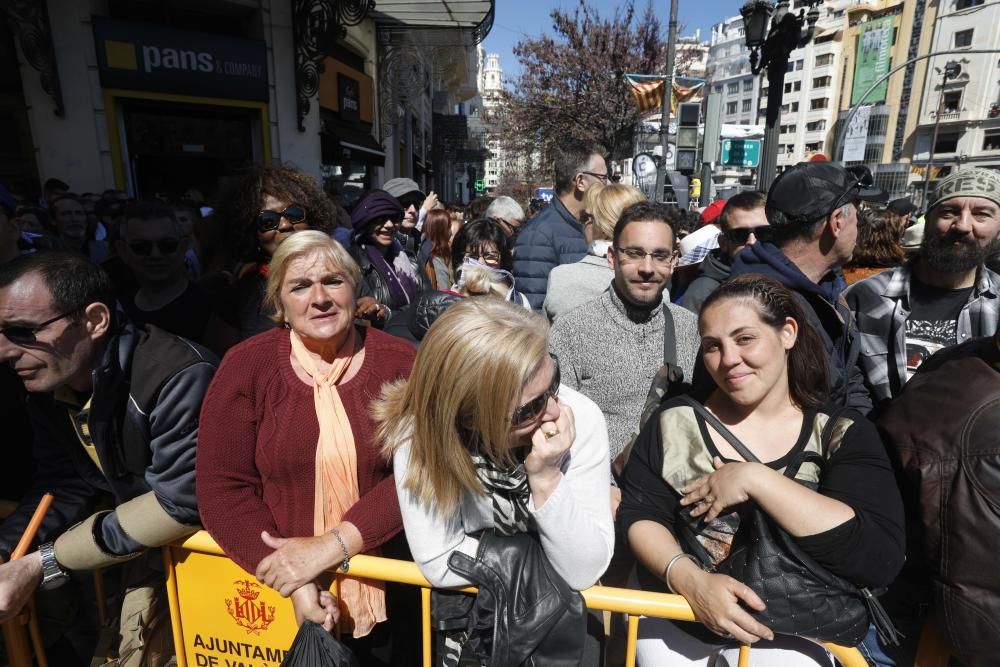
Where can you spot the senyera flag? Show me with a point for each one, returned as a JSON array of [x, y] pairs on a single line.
[[648, 91]]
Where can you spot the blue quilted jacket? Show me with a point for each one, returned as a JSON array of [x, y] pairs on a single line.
[[551, 238]]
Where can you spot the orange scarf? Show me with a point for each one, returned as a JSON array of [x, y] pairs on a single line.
[[362, 601]]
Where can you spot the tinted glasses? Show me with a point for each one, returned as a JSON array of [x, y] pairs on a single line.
[[531, 410], [269, 221], [741, 235], [145, 248], [24, 334]]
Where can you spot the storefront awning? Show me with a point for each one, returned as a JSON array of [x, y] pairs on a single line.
[[340, 140], [474, 16]]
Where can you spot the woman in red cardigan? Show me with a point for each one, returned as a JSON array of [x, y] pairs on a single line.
[[289, 479]]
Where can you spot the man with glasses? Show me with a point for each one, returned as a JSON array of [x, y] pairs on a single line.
[[813, 218], [115, 410], [739, 221], [555, 236], [153, 245], [610, 348], [944, 296], [508, 213]]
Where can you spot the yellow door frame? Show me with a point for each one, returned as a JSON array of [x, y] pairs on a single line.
[[111, 101]]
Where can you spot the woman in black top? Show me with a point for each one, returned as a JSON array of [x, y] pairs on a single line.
[[768, 367]]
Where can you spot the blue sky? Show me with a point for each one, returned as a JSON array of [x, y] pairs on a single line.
[[516, 19]]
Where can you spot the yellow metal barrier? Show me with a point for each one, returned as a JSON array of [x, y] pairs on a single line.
[[233, 620]]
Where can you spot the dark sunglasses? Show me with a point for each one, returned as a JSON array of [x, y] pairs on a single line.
[[21, 334], [536, 406], [862, 179], [415, 200], [145, 248], [268, 221], [741, 235]]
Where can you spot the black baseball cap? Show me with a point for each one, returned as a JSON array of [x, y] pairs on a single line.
[[810, 191], [902, 206]]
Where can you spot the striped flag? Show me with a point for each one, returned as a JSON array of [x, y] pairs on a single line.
[[648, 91]]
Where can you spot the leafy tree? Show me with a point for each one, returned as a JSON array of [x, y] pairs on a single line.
[[572, 85]]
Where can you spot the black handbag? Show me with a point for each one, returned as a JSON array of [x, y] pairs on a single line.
[[803, 598]]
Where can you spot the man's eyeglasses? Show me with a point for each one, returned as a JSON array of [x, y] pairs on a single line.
[[741, 235], [145, 248], [25, 334], [512, 229], [531, 410], [269, 221], [601, 177], [414, 199], [638, 254], [491, 258]]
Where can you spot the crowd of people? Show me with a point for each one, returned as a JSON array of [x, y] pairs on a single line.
[[612, 391]]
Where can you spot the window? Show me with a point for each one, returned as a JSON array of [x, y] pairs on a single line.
[[822, 81], [795, 107], [718, 88], [793, 86], [788, 129], [763, 92], [946, 143], [747, 85], [746, 104], [798, 65], [733, 88], [965, 4], [730, 108], [963, 38], [991, 141], [825, 59], [952, 102], [816, 126], [784, 108], [819, 103], [791, 66], [814, 146]]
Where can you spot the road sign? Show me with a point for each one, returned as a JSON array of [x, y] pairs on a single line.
[[741, 152], [480, 185]]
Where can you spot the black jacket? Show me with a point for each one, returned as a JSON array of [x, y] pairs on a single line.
[[712, 272], [525, 613], [143, 420]]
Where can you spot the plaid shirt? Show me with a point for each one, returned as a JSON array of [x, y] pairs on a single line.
[[881, 306]]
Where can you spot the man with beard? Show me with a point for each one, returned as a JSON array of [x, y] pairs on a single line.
[[943, 296]]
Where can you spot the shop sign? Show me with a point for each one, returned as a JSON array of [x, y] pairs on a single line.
[[139, 56], [349, 96], [226, 617]]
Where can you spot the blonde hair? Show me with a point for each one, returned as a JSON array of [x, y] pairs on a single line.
[[605, 204], [298, 245], [481, 281], [469, 372]]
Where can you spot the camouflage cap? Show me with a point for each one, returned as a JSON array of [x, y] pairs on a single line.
[[974, 182]]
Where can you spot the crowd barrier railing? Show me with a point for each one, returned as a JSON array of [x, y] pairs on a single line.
[[222, 617]]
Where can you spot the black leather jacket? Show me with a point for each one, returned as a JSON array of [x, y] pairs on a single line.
[[525, 613], [375, 284]]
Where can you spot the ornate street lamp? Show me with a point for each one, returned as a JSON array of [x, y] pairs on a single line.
[[788, 31]]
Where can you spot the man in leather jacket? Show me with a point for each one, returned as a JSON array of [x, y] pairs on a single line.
[[114, 409], [944, 430]]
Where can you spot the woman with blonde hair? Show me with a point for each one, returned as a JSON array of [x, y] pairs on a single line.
[[290, 480], [572, 285], [483, 438]]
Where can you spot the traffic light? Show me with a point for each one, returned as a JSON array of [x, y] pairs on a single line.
[[688, 116]]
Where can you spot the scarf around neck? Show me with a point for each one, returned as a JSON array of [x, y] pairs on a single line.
[[508, 491], [362, 601]]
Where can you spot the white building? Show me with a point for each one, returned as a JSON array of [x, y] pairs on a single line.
[[969, 116]]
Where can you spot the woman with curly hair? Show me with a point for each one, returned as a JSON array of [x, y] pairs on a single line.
[[263, 206], [878, 247]]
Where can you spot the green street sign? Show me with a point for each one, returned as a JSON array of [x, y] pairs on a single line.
[[741, 152], [480, 185]]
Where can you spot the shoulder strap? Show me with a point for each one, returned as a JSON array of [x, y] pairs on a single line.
[[669, 338], [827, 435], [730, 437]]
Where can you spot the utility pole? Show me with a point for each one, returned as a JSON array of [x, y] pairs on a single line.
[[668, 94]]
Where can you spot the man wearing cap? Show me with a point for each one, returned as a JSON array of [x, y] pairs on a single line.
[[415, 206], [555, 236], [943, 296], [813, 228], [740, 217]]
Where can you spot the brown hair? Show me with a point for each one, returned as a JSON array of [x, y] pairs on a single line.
[[878, 240], [748, 200], [466, 380], [808, 380]]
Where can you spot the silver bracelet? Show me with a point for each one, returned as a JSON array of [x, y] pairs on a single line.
[[346, 564], [670, 564]]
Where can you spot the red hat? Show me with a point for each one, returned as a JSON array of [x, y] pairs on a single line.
[[712, 211], [819, 157]]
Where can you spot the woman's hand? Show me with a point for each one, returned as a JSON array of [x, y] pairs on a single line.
[[369, 309], [295, 562], [729, 485], [715, 600], [550, 442], [319, 606], [430, 202]]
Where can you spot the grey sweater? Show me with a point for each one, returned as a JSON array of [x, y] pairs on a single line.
[[610, 352]]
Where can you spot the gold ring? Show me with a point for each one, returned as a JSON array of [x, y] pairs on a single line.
[[551, 434], [709, 500]]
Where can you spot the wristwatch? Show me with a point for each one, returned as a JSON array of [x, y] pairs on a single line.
[[53, 576]]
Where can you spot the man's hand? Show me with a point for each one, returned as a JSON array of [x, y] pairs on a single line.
[[18, 581], [430, 201]]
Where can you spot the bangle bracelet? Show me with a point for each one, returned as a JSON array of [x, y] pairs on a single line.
[[670, 564], [346, 564]]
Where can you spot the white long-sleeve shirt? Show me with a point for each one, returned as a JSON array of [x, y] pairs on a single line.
[[574, 524]]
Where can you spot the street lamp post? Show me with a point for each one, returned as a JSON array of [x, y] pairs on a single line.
[[951, 71], [788, 31], [668, 95]]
